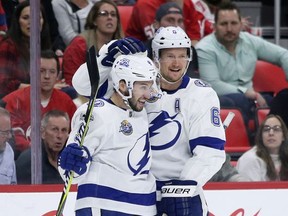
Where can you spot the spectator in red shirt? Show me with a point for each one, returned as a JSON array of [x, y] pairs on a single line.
[[18, 102], [102, 26], [143, 16], [3, 25], [15, 49]]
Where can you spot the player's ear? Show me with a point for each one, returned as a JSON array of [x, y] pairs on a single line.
[[122, 86]]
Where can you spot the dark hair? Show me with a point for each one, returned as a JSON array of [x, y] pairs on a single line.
[[16, 35], [226, 6], [263, 153], [94, 13], [50, 54]]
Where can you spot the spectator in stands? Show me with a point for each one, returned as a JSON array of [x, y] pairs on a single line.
[[102, 26], [268, 159], [57, 43], [3, 25], [18, 102], [206, 10], [55, 126], [7, 164], [15, 49], [71, 16], [143, 15], [227, 60], [170, 14], [279, 105]]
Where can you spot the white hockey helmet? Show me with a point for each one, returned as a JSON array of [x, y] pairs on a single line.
[[131, 68], [170, 37]]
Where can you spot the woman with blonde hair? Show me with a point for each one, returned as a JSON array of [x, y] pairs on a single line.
[[268, 159], [102, 26]]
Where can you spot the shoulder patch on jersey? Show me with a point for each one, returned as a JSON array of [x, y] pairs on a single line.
[[201, 83], [215, 116], [98, 103], [126, 128], [154, 96]]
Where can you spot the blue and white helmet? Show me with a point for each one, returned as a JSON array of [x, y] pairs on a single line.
[[170, 37], [131, 68]]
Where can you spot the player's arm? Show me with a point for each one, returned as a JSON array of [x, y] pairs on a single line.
[[105, 59], [207, 139]]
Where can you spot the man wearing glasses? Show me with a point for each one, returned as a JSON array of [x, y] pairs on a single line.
[[7, 164]]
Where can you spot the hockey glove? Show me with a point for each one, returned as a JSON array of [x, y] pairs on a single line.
[[177, 198], [74, 158], [124, 46]]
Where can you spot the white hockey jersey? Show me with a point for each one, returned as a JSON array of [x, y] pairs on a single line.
[[118, 178], [186, 133]]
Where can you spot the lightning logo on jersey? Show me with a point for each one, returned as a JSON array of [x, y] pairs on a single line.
[[159, 123], [139, 166]]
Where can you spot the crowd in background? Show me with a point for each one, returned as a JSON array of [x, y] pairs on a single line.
[[69, 27]]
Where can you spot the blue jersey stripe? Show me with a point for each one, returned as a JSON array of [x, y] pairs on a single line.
[[210, 142], [104, 192]]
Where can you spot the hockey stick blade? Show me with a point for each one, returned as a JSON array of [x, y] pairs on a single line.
[[93, 71]]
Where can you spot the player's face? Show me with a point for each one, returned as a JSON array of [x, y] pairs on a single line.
[[49, 75], [55, 133], [106, 21], [173, 63], [141, 92], [272, 135], [228, 26], [5, 131]]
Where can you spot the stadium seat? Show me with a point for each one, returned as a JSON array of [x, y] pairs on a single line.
[[261, 114], [269, 78], [125, 12], [237, 140]]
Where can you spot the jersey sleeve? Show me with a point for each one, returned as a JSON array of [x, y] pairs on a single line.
[[207, 139]]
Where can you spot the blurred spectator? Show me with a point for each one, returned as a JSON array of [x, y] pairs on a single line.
[[279, 105], [3, 25], [170, 14], [206, 10], [71, 16], [125, 2], [7, 164], [141, 22], [55, 126], [18, 102], [268, 159], [15, 49], [102, 26], [227, 60], [228, 173], [57, 43]]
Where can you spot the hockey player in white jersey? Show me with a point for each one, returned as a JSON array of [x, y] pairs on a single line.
[[113, 166], [186, 132]]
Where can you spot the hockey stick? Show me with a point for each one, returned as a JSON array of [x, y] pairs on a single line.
[[94, 81], [228, 119]]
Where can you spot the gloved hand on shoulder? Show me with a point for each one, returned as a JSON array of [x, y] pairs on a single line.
[[123, 46], [177, 198], [74, 158]]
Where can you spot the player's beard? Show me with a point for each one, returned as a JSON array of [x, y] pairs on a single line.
[[133, 105]]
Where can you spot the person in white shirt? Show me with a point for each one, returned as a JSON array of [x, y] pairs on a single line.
[[268, 159]]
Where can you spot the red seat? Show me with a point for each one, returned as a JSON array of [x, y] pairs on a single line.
[[261, 114], [269, 78], [237, 140], [125, 12]]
